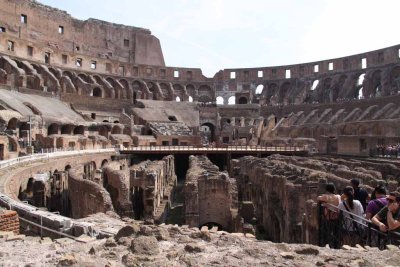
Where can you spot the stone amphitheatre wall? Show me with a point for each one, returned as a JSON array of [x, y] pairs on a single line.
[[12, 181], [131, 58]]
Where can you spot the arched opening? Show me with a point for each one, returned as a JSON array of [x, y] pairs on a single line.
[[178, 99], [12, 124], [232, 100], [52, 129], [67, 129], [127, 130], [103, 131], [116, 130], [67, 168], [220, 100], [242, 100], [259, 89], [207, 133], [24, 131], [190, 99], [204, 99], [79, 130], [361, 79], [314, 85], [97, 92], [104, 163]]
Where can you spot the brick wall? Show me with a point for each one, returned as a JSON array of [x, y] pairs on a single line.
[[9, 221]]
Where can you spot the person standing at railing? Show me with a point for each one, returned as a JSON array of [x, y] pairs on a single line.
[[330, 225], [360, 193], [388, 218], [375, 205], [351, 227]]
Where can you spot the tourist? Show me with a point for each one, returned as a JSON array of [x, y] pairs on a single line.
[[330, 226], [377, 203], [329, 196], [388, 218], [360, 194], [352, 217]]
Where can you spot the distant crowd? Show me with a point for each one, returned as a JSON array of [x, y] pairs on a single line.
[[381, 208], [387, 151]]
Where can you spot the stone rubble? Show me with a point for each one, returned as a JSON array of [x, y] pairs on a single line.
[[137, 244]]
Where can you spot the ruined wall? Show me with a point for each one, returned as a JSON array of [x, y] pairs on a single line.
[[88, 197], [283, 190], [55, 31], [116, 182], [210, 195], [152, 184]]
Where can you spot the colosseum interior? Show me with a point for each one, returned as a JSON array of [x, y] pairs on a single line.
[[92, 120]]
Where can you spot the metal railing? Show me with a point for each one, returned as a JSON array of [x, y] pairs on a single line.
[[217, 148], [50, 153], [340, 227]]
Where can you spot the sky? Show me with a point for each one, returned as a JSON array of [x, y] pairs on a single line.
[[219, 34]]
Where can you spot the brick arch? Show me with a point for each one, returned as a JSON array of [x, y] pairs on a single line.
[[127, 90], [85, 78], [283, 96], [179, 91]]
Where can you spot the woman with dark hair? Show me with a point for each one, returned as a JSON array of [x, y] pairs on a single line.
[[352, 214]]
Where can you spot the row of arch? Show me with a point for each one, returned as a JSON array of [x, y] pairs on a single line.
[[376, 82]]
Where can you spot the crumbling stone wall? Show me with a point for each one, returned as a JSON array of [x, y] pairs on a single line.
[[210, 195], [116, 182], [152, 184], [87, 197], [283, 190]]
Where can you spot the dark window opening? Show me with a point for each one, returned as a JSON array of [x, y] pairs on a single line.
[[126, 42], [64, 59], [2, 29], [172, 118], [97, 92], [273, 72], [189, 75], [162, 73], [24, 19], [165, 143], [30, 51], [93, 116], [47, 57], [381, 57], [77, 48]]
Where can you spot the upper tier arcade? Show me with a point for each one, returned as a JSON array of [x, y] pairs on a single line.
[[38, 35]]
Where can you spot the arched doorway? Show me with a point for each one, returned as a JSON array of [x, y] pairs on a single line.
[[207, 132]]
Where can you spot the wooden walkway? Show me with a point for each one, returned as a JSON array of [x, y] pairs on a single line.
[[288, 150]]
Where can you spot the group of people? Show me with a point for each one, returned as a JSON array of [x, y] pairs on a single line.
[[387, 151], [381, 209]]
